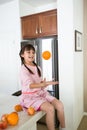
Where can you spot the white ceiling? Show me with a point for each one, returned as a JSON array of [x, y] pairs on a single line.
[[32, 2], [39, 2], [4, 1]]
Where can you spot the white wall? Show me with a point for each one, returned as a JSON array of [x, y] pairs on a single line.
[[26, 9], [78, 64], [70, 62], [85, 56], [9, 47]]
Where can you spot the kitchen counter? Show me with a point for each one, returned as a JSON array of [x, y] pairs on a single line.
[[26, 122]]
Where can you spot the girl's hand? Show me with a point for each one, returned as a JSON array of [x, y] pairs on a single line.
[[43, 84], [46, 83], [52, 82]]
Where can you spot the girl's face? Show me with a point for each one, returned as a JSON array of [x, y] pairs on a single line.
[[29, 56]]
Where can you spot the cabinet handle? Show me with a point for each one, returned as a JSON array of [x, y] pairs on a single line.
[[40, 31], [36, 30]]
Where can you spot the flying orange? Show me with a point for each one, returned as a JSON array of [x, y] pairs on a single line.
[[46, 55]]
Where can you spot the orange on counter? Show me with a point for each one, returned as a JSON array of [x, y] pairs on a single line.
[[31, 111], [18, 108], [3, 124], [4, 117], [13, 118]]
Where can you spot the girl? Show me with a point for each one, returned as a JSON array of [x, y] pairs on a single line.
[[33, 89]]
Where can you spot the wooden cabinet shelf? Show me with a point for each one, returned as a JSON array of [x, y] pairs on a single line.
[[39, 25]]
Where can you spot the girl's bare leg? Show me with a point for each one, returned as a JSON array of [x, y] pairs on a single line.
[[49, 109], [60, 112]]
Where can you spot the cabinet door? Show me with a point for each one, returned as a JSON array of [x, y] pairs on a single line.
[[48, 23], [29, 26]]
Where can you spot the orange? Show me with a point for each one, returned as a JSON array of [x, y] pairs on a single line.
[[46, 55], [31, 111], [4, 117], [18, 108], [13, 118], [3, 124]]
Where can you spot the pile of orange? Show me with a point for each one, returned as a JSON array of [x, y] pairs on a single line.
[[31, 111], [18, 108], [13, 118], [9, 119]]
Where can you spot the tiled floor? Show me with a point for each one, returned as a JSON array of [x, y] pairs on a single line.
[[43, 127], [82, 126], [40, 126]]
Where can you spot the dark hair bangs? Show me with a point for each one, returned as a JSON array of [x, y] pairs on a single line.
[[29, 47]]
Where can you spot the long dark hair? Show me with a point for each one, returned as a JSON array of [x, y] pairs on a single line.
[[28, 47]]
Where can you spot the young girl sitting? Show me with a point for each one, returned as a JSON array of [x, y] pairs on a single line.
[[33, 89]]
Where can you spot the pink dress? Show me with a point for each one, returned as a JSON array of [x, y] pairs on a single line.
[[36, 96]]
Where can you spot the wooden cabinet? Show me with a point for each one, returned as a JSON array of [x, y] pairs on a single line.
[[39, 25]]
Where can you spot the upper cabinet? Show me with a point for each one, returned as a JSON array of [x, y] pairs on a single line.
[[39, 25]]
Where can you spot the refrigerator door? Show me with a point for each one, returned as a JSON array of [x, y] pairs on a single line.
[[50, 66]]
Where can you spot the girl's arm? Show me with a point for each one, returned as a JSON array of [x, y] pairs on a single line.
[[43, 84]]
